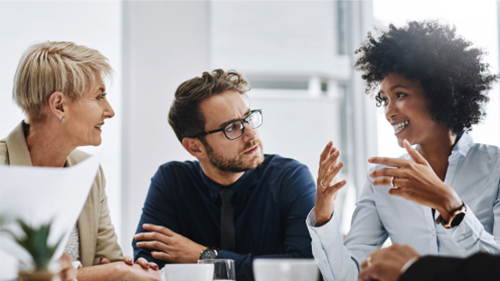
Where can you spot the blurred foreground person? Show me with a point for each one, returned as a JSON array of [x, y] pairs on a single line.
[[234, 202], [59, 87], [403, 263], [442, 197]]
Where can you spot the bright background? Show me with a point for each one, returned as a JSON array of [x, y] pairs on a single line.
[[298, 56]]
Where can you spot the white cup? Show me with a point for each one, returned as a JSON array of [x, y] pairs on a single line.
[[187, 272], [285, 270]]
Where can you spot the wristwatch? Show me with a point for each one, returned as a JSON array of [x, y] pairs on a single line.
[[455, 218], [209, 253]]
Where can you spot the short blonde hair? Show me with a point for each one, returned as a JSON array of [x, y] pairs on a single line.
[[49, 67]]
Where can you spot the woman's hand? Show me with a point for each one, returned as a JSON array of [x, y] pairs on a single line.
[[68, 272], [128, 260], [327, 184], [416, 181]]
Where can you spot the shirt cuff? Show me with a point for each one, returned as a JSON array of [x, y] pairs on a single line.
[[408, 264], [77, 264], [468, 232]]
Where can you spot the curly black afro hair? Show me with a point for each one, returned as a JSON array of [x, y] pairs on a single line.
[[450, 71]]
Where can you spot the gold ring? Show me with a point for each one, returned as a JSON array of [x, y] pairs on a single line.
[[369, 261]]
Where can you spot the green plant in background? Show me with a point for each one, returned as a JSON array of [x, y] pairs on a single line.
[[35, 241]]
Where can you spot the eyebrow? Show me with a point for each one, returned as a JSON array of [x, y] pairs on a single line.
[[393, 87], [231, 121]]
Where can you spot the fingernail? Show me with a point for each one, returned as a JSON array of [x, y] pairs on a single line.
[[100, 260], [337, 153], [146, 225], [129, 259], [370, 160]]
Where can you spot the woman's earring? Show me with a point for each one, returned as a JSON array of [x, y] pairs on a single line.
[[62, 120]]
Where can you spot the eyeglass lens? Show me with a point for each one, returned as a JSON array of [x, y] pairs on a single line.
[[235, 129]]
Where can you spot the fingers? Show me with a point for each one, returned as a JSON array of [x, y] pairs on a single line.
[[128, 260], [159, 229], [388, 172], [393, 162], [330, 175], [328, 163], [414, 154], [162, 256], [151, 236], [325, 152], [388, 181], [143, 263], [332, 190], [153, 266], [153, 245], [104, 261]]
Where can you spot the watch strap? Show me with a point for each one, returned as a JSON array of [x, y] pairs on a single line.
[[455, 218]]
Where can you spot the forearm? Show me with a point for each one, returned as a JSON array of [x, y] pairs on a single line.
[[107, 272]]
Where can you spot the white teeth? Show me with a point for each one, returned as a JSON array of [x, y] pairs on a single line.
[[98, 126], [400, 125]]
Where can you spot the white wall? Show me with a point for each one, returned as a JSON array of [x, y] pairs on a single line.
[[165, 43]]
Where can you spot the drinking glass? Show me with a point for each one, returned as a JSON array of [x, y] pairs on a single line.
[[223, 269]]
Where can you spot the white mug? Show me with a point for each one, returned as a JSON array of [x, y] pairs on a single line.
[[187, 272], [285, 270]]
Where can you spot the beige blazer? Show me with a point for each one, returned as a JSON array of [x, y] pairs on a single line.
[[97, 234]]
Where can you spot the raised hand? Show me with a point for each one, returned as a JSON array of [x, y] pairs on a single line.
[[327, 184], [416, 181]]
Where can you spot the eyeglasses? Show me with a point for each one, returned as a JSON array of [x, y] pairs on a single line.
[[236, 128]]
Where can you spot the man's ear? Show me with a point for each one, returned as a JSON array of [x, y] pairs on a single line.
[[194, 146], [58, 104]]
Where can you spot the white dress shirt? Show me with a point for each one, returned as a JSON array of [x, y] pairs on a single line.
[[473, 172]]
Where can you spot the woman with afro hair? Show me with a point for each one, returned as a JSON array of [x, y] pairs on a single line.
[[442, 197]]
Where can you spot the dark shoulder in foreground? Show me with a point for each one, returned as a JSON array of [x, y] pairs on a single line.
[[275, 161]]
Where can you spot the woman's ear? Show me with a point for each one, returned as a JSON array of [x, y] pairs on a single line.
[[58, 104], [194, 147]]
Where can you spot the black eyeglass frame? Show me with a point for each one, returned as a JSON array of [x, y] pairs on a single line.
[[243, 121]]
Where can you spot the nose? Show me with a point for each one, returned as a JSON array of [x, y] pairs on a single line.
[[249, 134], [108, 110], [390, 110]]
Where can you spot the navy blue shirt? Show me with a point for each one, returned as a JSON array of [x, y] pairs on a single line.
[[271, 204]]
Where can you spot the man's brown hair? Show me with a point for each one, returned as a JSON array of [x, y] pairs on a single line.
[[185, 115]]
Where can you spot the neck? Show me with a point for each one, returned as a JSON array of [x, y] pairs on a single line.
[[221, 177], [47, 145], [437, 151]]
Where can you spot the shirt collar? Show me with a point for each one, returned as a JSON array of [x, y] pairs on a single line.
[[240, 187], [463, 145]]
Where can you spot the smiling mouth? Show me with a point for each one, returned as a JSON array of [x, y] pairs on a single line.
[[98, 126], [400, 126]]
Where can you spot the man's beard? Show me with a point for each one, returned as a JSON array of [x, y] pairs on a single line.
[[233, 165]]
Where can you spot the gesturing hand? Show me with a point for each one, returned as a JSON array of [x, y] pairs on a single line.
[[386, 264], [416, 181], [168, 245], [327, 184], [128, 260]]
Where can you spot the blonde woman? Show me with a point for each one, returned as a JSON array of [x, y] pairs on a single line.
[[59, 86]]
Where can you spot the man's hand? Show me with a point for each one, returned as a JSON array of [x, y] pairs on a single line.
[[327, 184], [168, 245], [416, 181], [386, 264]]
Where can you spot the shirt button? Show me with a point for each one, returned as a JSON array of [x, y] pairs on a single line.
[[324, 262], [462, 236], [433, 233], [328, 234]]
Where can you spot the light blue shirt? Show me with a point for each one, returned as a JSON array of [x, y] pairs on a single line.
[[474, 173]]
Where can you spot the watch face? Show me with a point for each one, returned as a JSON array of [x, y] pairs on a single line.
[[208, 254]]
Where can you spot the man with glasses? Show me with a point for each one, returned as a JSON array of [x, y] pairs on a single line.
[[234, 202]]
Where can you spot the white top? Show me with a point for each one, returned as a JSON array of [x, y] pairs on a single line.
[[474, 173]]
